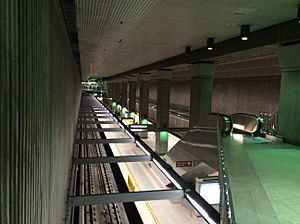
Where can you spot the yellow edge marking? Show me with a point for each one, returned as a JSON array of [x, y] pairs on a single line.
[[140, 189], [147, 203]]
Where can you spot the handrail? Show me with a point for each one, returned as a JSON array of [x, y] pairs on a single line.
[[227, 216]]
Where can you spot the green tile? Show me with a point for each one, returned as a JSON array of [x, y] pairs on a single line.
[[264, 180]]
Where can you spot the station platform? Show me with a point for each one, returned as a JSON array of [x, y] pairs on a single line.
[[264, 179], [114, 169], [145, 176]]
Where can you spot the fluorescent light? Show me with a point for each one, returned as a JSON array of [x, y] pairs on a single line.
[[137, 129], [298, 14], [245, 30], [238, 137], [143, 148], [210, 44], [239, 126], [200, 210], [210, 191], [128, 133], [166, 173], [139, 126]]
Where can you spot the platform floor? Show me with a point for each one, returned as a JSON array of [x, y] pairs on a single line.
[[145, 176], [264, 178]]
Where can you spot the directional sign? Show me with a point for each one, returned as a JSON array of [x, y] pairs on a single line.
[[184, 163]]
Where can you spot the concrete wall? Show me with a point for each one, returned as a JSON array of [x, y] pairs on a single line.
[[39, 100], [289, 119], [246, 95], [241, 86], [153, 91], [180, 93], [247, 86]]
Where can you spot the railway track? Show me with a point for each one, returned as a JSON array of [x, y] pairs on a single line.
[[97, 179]]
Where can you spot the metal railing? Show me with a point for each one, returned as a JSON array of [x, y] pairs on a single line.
[[207, 211], [226, 203], [269, 123]]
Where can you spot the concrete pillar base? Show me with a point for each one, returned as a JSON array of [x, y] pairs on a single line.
[[161, 142]]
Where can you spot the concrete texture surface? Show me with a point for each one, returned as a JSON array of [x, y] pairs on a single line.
[[39, 100]]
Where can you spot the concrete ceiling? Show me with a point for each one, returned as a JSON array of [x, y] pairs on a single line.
[[119, 35]]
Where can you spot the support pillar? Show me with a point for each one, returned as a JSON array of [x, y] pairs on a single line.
[[117, 92], [289, 105], [144, 102], [110, 89], [124, 97], [132, 94], [201, 91], [105, 88], [162, 110]]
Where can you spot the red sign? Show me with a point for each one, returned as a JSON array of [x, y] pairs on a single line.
[[184, 163]]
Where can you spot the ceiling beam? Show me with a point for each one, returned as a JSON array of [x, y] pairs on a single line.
[[281, 33], [100, 130], [97, 122], [91, 116], [125, 197], [69, 13], [104, 141], [115, 159]]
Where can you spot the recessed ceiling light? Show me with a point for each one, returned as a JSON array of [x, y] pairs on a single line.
[[245, 30], [298, 14], [210, 44]]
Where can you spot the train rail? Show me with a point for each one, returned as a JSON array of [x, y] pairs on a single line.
[[97, 179]]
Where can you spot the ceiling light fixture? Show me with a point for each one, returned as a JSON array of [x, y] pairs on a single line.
[[245, 30], [298, 14], [188, 52], [210, 44]]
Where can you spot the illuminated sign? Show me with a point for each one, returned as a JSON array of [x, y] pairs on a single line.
[[127, 121]]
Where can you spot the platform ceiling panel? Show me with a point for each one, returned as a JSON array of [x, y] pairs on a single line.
[[120, 35], [103, 25]]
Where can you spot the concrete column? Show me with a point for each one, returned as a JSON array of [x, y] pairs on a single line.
[[105, 87], [162, 110], [132, 94], [144, 97], [289, 105], [201, 91], [110, 89], [144, 101], [117, 92], [124, 93]]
